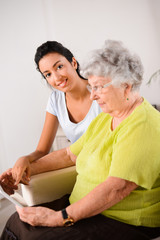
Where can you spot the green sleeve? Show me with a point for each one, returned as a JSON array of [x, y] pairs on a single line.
[[76, 147]]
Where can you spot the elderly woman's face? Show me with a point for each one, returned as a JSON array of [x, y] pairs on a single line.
[[109, 98]]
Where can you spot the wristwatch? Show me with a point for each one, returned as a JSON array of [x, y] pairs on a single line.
[[67, 220]]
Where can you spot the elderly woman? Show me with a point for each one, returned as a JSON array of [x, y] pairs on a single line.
[[117, 191]]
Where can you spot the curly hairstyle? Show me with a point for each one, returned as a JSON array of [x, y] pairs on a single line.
[[115, 61]]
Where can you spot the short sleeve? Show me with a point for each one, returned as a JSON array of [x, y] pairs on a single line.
[[51, 105], [76, 147], [136, 155]]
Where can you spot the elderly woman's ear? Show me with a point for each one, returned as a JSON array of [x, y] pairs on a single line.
[[127, 88]]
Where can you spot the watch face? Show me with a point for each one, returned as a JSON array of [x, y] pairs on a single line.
[[68, 222]]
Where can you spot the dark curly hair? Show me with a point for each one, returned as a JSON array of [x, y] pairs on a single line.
[[54, 47]]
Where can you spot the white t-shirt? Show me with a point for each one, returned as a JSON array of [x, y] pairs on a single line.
[[73, 131]]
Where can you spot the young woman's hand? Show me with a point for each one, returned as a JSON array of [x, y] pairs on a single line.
[[7, 182], [40, 216], [21, 170]]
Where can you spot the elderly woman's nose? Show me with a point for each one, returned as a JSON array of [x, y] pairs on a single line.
[[92, 95]]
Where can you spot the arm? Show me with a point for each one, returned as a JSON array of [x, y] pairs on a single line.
[[56, 160], [47, 137], [104, 196], [52, 161]]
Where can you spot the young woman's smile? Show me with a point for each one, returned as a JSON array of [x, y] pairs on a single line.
[[62, 84]]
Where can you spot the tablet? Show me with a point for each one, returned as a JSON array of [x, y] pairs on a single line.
[[12, 199]]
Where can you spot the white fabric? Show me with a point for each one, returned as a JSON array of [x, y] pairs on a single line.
[[73, 131]]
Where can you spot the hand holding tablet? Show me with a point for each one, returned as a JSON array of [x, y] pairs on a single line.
[[12, 199]]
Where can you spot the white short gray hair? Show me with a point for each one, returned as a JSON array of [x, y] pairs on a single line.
[[115, 61]]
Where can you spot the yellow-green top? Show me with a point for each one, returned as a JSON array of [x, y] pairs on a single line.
[[131, 152]]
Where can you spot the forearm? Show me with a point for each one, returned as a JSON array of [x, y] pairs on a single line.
[[99, 199], [25, 167], [35, 155], [52, 161]]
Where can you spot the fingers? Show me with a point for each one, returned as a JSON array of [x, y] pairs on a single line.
[[28, 215], [25, 181], [21, 166], [8, 188], [28, 173], [36, 216], [11, 178], [7, 182], [17, 175], [9, 191], [26, 177]]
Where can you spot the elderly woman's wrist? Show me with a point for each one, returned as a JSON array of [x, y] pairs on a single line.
[[58, 219]]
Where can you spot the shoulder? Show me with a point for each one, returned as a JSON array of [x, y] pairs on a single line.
[[143, 123], [100, 121], [56, 95], [147, 114], [56, 102], [57, 98]]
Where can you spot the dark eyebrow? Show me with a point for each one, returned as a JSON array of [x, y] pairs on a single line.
[[53, 66]]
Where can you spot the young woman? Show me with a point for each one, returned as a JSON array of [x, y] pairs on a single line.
[[69, 104]]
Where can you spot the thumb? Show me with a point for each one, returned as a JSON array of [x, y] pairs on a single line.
[[17, 177], [28, 173]]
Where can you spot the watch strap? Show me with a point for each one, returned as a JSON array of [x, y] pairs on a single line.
[[64, 213], [67, 220]]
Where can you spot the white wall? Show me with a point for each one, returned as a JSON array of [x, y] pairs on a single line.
[[79, 25], [23, 94]]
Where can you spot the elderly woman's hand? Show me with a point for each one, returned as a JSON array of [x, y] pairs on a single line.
[[21, 171], [7, 182], [40, 216]]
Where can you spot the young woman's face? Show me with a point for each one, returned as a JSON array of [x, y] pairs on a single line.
[[58, 71]]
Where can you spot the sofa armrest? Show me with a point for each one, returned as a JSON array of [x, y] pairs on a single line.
[[46, 187]]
